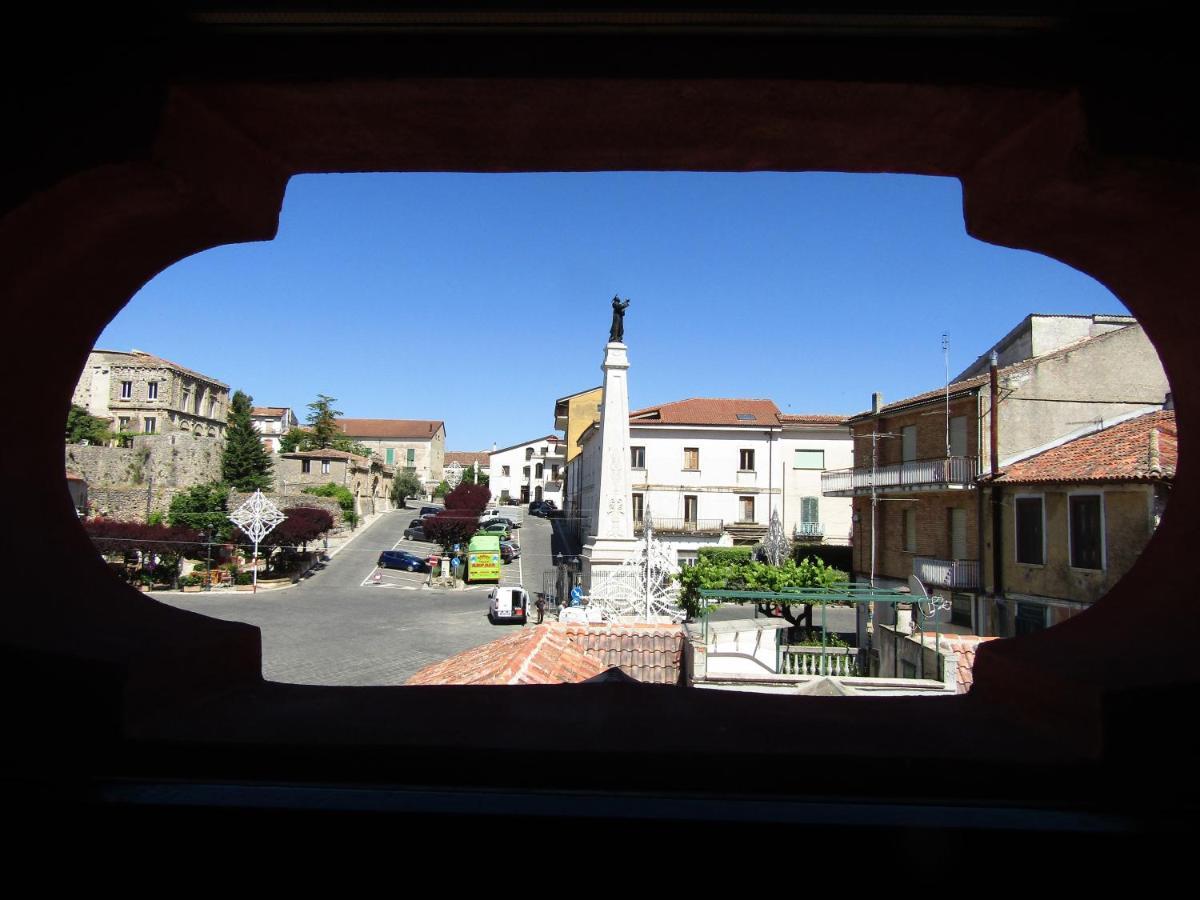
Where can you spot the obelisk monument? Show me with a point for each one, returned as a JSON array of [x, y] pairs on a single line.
[[613, 541]]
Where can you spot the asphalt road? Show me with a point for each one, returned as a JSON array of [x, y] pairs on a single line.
[[339, 627]]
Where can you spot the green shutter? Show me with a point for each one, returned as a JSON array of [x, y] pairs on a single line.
[[391, 456]]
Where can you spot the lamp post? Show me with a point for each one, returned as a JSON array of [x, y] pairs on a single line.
[[256, 518]]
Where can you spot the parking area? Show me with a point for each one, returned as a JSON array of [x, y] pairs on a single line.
[[512, 574]]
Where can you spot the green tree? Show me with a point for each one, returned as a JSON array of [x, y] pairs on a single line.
[[470, 476], [295, 439], [245, 463], [442, 489], [81, 426], [725, 569], [322, 423], [342, 494], [203, 507], [406, 485]]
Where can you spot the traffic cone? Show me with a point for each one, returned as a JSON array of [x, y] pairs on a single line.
[[376, 579]]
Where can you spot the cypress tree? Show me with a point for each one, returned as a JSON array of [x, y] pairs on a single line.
[[245, 464]]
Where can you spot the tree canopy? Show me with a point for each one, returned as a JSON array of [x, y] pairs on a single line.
[[245, 462], [451, 527], [468, 498], [202, 507], [322, 422], [731, 571], [82, 426], [405, 485]]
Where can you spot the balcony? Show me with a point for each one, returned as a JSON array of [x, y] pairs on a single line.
[[954, 473], [808, 531], [947, 573], [682, 526]]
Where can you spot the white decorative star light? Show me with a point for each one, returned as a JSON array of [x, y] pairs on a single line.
[[453, 474], [643, 588], [257, 517], [776, 545]]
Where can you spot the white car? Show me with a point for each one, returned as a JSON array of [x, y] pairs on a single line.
[[508, 604], [491, 512]]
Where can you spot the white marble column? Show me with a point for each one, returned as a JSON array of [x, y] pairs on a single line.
[[613, 542]]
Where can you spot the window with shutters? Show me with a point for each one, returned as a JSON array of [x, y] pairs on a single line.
[[1086, 513], [691, 459], [746, 461], [1031, 531]]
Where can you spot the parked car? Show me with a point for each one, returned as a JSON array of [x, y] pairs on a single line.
[[429, 511], [415, 533], [417, 523], [509, 550], [402, 559], [500, 520], [508, 603], [490, 513], [497, 528], [542, 512]]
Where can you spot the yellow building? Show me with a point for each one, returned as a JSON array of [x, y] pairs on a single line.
[[574, 413]]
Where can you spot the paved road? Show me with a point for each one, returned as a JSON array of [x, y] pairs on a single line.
[[339, 627]]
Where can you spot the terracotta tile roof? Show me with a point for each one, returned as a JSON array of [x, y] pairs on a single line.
[[402, 429], [542, 654], [548, 439], [268, 410], [812, 418], [709, 411], [1120, 452], [978, 381], [71, 476], [467, 458], [328, 453], [565, 654], [962, 647], [651, 654], [142, 358]]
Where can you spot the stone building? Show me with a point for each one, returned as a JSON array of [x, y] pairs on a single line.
[[924, 455], [418, 445], [144, 394], [368, 479], [1073, 519]]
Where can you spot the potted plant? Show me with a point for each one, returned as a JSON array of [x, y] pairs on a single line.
[[244, 581], [191, 583]]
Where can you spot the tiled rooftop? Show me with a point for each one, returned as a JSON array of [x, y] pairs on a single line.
[[709, 411], [400, 429], [963, 647], [565, 654], [1120, 452], [468, 458]]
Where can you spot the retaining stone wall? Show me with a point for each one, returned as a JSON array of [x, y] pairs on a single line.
[[172, 460]]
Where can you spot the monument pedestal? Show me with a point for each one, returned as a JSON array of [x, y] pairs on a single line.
[[613, 543]]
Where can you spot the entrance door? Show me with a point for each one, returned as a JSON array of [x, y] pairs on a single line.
[[524, 494]]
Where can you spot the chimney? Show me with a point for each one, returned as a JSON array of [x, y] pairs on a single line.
[[876, 402]]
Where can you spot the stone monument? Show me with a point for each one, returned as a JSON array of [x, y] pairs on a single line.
[[613, 542]]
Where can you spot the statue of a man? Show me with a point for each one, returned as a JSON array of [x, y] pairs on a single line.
[[616, 334]]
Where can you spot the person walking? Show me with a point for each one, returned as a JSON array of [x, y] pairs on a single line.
[[541, 607]]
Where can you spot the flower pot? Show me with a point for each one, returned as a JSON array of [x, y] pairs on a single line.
[[192, 588]]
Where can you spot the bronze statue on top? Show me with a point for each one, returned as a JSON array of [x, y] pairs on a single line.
[[616, 334]]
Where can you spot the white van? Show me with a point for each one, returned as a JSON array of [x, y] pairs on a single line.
[[508, 604]]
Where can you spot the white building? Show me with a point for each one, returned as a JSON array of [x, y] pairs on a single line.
[[711, 472], [529, 471], [273, 422]]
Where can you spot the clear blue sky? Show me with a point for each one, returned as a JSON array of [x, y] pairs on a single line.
[[479, 299]]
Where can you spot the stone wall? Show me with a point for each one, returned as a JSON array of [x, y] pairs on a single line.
[[172, 460], [128, 504]]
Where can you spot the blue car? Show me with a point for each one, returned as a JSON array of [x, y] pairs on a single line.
[[402, 559]]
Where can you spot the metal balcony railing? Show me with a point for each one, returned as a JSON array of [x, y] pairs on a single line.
[[809, 530], [683, 526], [954, 472], [948, 573]]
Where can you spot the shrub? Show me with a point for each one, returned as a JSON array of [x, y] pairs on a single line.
[[451, 527], [341, 494], [468, 498], [726, 555], [243, 578], [838, 557], [191, 581]]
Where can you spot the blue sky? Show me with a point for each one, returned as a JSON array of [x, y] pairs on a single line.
[[479, 299]]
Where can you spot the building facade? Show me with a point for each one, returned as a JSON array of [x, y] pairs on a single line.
[[273, 422], [480, 459], [529, 471], [1073, 519], [917, 508], [710, 472], [418, 445], [143, 394]]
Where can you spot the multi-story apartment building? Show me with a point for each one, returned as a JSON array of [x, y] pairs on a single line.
[[273, 422], [529, 471], [418, 445], [712, 471], [918, 510], [144, 394], [572, 415]]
